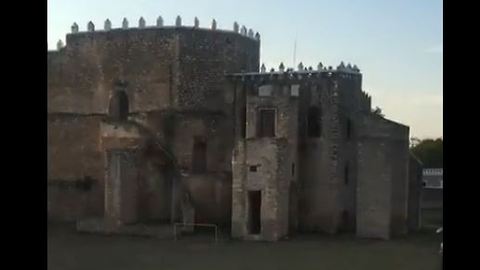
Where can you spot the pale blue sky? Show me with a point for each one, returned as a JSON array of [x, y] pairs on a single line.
[[397, 44]]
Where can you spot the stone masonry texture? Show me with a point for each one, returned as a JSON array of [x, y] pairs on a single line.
[[195, 96]]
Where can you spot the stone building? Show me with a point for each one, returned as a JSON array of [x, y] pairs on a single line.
[[432, 191], [161, 124]]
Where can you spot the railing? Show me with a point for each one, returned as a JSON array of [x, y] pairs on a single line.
[[195, 224]]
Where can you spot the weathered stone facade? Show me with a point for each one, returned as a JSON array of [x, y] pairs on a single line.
[[265, 164], [165, 124], [353, 165], [382, 186], [173, 80]]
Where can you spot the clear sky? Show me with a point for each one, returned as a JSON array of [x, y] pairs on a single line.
[[397, 44]]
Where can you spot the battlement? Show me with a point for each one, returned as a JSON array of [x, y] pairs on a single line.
[[142, 26], [342, 71], [366, 101]]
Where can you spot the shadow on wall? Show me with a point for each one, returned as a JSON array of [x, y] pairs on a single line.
[[211, 196], [68, 200]]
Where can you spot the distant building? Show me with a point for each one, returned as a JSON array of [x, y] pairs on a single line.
[[433, 178], [432, 193]]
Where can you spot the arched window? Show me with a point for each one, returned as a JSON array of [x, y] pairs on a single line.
[[314, 122], [118, 109]]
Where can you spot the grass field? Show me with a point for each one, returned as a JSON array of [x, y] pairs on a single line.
[[70, 250]]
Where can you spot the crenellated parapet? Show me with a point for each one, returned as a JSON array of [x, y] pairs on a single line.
[[302, 72], [142, 24], [183, 65], [60, 44], [366, 101], [348, 68]]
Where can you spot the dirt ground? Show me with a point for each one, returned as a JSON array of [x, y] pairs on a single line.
[[68, 250]]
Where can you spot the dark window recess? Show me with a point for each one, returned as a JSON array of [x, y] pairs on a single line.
[[293, 169], [253, 168], [349, 129], [85, 184], [199, 161], [255, 204], [118, 109], [346, 174], [267, 123], [314, 122]]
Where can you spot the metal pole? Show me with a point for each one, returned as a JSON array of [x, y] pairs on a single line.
[[295, 51]]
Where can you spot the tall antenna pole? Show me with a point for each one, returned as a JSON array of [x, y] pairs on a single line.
[[295, 50]]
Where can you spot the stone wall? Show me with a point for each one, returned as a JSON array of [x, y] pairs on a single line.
[[74, 157], [414, 193], [204, 57], [67, 201], [211, 195], [74, 147], [351, 107], [179, 85], [164, 71], [382, 187], [399, 156], [321, 157], [265, 163], [181, 68], [327, 197], [239, 191], [82, 75], [271, 178], [373, 190]]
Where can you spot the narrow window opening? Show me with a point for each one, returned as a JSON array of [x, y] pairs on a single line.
[[253, 168], [267, 123], [118, 109], [255, 203], [314, 125]]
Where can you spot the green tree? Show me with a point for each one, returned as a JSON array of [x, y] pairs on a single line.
[[429, 151]]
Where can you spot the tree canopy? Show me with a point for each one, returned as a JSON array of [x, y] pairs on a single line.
[[429, 151]]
